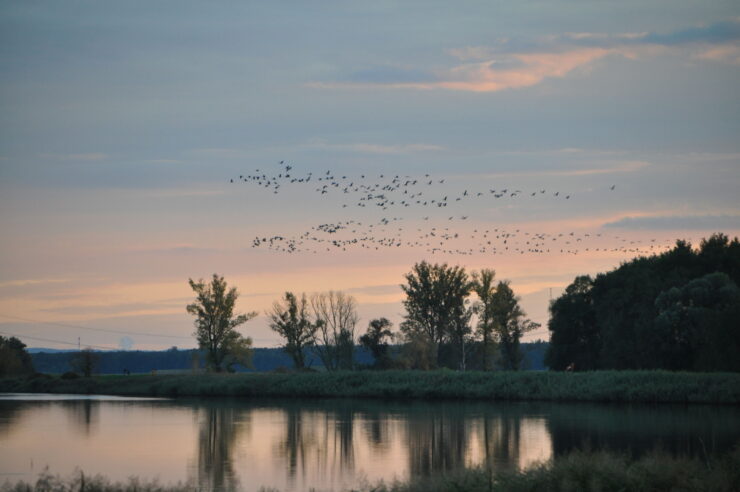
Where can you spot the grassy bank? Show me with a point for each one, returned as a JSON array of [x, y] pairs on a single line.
[[577, 471], [603, 386]]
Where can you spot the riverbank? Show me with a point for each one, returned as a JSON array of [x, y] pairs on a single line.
[[600, 471], [597, 386]]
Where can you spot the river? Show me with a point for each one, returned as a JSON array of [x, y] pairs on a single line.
[[293, 445]]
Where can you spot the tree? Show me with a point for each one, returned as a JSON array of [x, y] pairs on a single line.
[[336, 314], [215, 324], [374, 340], [574, 338], [698, 324], [632, 318], [436, 304], [13, 357], [85, 362], [509, 324], [484, 288], [291, 320]]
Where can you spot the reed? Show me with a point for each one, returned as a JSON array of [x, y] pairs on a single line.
[[598, 386]]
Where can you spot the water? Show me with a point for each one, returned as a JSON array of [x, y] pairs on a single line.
[[294, 445]]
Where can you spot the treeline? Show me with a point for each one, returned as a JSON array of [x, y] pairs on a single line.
[[679, 310], [453, 320], [173, 359]]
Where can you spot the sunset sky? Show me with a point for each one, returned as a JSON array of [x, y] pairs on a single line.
[[122, 124]]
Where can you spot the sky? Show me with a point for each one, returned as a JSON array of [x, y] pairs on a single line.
[[122, 125]]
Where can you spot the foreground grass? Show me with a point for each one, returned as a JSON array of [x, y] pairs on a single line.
[[602, 386], [578, 471]]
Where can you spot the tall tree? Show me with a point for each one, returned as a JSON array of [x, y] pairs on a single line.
[[374, 340], [436, 304], [575, 340], [336, 314], [484, 288], [216, 322], [85, 362], [510, 325], [290, 318], [14, 359]]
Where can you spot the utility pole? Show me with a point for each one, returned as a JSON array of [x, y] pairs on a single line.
[[78, 344]]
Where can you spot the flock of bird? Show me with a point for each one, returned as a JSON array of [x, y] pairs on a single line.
[[384, 192], [436, 233]]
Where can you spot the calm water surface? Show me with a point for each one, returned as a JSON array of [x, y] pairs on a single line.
[[328, 444]]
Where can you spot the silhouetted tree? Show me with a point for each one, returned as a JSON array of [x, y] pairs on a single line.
[[484, 288], [291, 320], [575, 338], [336, 315], [13, 357], [436, 304], [85, 362], [374, 340], [698, 324], [661, 311], [215, 324], [509, 324]]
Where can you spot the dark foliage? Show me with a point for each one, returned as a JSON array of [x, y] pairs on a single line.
[[85, 362], [378, 330], [601, 386], [671, 311], [14, 359]]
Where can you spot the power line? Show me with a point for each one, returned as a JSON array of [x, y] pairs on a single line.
[[56, 341], [94, 329]]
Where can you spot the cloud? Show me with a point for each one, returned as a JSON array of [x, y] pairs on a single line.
[[184, 249], [376, 290], [163, 161], [91, 156], [177, 193], [519, 64], [222, 153], [34, 281], [508, 71], [677, 222], [729, 54], [369, 148], [614, 168]]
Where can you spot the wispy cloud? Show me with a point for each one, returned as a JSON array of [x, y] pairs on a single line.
[[371, 148], [678, 222], [611, 168], [175, 193], [376, 290], [163, 161], [518, 64], [90, 156], [34, 281]]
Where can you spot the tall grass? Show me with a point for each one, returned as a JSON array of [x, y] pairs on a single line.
[[602, 386], [597, 471], [577, 471]]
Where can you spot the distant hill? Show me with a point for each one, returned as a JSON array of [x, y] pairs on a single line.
[[36, 350], [55, 361]]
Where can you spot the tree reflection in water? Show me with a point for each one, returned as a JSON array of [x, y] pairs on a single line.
[[318, 441], [84, 414], [437, 442], [220, 426]]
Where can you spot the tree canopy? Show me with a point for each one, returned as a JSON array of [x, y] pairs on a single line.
[[13, 357], [291, 320], [216, 322], [436, 304], [677, 310]]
